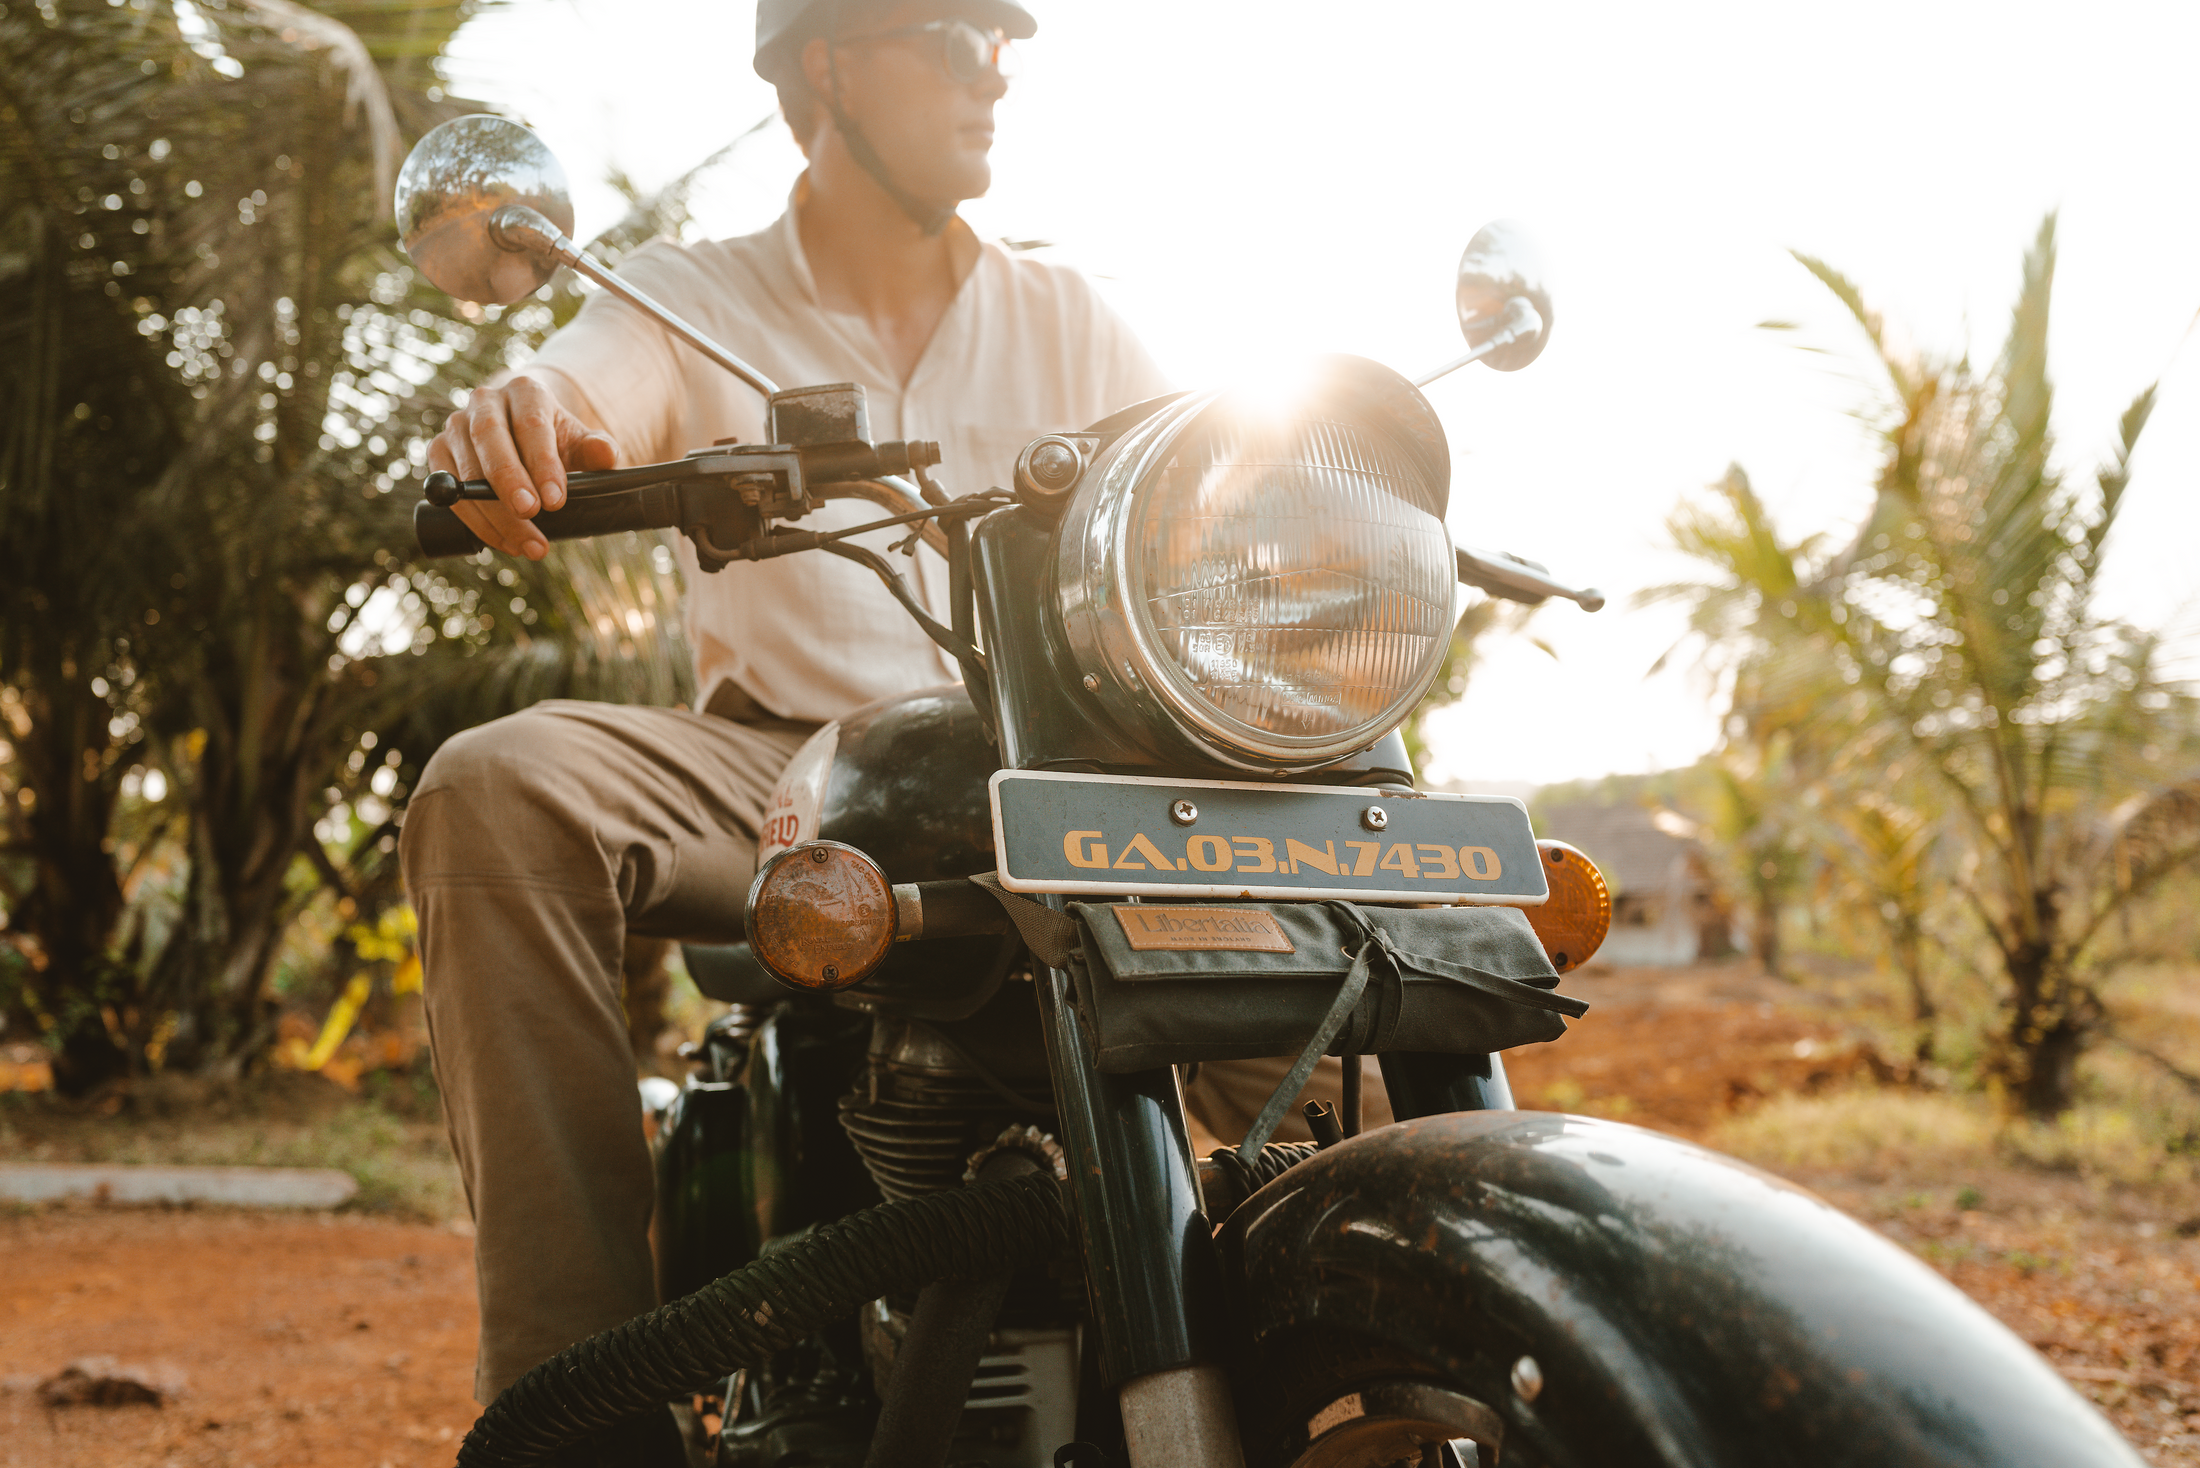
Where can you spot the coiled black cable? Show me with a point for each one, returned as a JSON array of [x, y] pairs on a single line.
[[1233, 1179], [760, 1309]]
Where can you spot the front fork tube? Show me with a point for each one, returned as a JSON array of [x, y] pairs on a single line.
[[1422, 1084], [1150, 1261]]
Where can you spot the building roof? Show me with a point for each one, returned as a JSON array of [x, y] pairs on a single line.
[[1637, 850]]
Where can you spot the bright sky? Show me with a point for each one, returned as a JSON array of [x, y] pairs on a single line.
[[1251, 179]]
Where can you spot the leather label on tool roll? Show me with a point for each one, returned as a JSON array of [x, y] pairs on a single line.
[[1150, 928]]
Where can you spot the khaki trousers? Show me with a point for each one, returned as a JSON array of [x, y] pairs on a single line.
[[1226, 1095], [532, 847]]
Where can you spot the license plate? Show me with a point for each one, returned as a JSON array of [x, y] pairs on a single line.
[[1129, 835]]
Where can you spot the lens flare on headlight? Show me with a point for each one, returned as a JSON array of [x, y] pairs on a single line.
[[1294, 574], [1267, 577]]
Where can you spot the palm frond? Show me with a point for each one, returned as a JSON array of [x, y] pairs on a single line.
[[1874, 325], [2114, 477], [366, 97]]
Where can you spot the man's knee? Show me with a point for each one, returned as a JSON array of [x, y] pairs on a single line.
[[513, 755], [499, 787]]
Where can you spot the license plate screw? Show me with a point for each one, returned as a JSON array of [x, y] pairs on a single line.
[[1375, 818], [1184, 813]]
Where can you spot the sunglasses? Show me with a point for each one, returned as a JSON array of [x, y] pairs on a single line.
[[967, 52]]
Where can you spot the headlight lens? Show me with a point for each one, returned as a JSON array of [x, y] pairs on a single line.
[[1278, 581]]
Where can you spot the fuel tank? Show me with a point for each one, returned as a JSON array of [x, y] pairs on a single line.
[[1618, 1296], [904, 781], [907, 786]]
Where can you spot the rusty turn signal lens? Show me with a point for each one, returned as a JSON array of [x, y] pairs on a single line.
[[821, 916], [1573, 923]]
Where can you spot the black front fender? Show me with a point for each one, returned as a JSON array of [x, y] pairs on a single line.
[[1682, 1308]]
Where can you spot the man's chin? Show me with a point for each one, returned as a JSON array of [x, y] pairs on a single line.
[[950, 179], [971, 181]]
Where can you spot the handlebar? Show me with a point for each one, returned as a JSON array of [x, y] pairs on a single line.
[[659, 497], [653, 496], [656, 507]]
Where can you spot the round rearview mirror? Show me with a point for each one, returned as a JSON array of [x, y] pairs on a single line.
[[448, 193], [1503, 264]]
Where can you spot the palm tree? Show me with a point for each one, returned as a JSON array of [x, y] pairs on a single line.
[[218, 370], [1957, 633], [1761, 813], [1887, 847]]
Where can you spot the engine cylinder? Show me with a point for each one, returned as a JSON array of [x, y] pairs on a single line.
[[926, 1102]]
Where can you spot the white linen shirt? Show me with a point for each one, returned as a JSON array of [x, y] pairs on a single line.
[[1025, 348]]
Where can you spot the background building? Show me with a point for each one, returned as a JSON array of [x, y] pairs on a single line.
[[1666, 909]]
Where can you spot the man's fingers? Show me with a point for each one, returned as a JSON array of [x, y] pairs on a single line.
[[499, 531], [439, 452], [588, 449], [494, 522], [536, 424], [489, 435]]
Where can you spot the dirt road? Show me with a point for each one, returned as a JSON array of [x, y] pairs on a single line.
[[315, 1341], [347, 1342]]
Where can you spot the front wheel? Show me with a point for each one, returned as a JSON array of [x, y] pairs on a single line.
[[1610, 1295], [1356, 1421]]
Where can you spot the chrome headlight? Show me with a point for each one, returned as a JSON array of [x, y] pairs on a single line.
[[1271, 580]]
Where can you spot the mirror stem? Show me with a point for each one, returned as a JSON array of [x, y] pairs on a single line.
[[1514, 580], [1519, 320], [517, 227]]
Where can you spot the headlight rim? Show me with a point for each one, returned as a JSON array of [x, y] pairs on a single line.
[[1110, 631]]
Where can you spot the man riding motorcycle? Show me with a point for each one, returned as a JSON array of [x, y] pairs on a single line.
[[535, 844], [928, 1214]]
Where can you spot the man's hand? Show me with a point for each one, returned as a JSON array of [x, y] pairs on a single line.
[[522, 441]]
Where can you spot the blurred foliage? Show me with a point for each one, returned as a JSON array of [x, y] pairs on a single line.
[[1933, 723], [220, 672]]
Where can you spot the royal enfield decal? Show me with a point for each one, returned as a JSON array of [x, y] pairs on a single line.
[[1202, 930], [791, 816], [1189, 838]]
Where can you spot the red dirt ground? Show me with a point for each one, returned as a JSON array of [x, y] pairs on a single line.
[[1684, 1047], [304, 1340], [348, 1341]]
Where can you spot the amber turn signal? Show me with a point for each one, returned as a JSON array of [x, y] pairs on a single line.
[[1573, 923], [821, 916]]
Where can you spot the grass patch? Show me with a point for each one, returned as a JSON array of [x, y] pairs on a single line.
[[1890, 1132], [2116, 1143], [1861, 1130], [1566, 1094], [400, 1160]]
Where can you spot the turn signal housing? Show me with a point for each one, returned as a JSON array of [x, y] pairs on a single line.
[[821, 916], [1573, 923]]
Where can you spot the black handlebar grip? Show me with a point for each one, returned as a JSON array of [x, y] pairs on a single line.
[[441, 533]]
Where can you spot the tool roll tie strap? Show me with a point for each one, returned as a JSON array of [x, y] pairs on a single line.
[[1166, 983]]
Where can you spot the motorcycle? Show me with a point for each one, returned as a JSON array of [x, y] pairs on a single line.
[[933, 1177]]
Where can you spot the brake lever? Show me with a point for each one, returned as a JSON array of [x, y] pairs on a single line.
[[1513, 579]]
